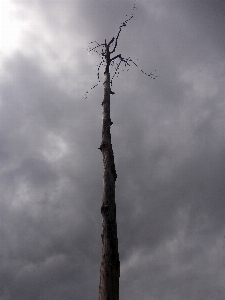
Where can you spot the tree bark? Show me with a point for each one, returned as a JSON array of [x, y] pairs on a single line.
[[110, 265]]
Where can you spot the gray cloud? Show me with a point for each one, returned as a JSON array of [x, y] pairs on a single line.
[[168, 140]]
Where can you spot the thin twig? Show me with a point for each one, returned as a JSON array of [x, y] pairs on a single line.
[[103, 50]]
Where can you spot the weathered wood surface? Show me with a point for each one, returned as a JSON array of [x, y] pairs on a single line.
[[110, 265]]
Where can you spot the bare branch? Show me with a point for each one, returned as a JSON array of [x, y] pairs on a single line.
[[115, 57], [98, 76], [103, 50], [94, 48], [121, 26], [112, 40]]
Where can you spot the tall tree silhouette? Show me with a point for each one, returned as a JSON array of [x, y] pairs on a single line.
[[110, 264]]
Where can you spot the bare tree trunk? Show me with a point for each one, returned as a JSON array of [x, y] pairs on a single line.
[[110, 265]]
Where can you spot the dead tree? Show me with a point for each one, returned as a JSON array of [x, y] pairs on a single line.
[[110, 265]]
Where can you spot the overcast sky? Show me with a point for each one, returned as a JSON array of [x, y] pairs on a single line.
[[168, 138]]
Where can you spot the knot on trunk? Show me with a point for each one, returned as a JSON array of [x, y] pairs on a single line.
[[102, 146]]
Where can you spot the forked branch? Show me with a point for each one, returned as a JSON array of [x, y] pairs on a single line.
[[103, 50]]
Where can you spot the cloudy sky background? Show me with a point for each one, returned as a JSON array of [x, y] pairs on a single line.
[[168, 139]]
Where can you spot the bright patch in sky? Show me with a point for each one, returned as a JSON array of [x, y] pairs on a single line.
[[55, 147], [10, 27]]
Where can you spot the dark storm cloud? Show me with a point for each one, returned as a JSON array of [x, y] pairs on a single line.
[[40, 195], [168, 140], [209, 18]]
